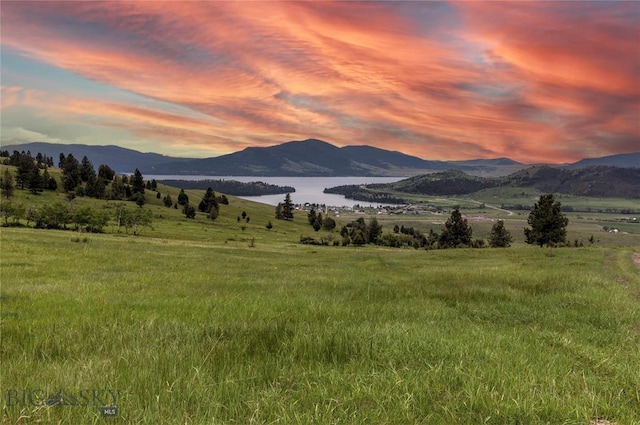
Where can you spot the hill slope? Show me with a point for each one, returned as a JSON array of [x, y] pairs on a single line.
[[598, 181], [627, 160]]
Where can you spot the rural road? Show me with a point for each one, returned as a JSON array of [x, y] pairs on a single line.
[[493, 207]]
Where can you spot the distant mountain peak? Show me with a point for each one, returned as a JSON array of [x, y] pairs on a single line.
[[308, 157]]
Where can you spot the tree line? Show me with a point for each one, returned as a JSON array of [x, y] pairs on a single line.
[[80, 179], [68, 216], [547, 228]]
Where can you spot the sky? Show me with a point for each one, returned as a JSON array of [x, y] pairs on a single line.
[[543, 81]]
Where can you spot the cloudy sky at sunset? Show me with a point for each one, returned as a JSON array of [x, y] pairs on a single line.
[[532, 81]]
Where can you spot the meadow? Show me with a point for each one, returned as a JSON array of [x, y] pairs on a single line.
[[199, 322]]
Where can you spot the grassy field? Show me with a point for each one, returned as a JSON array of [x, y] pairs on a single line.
[[199, 322]]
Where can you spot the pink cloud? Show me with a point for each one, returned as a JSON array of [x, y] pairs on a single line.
[[535, 81]]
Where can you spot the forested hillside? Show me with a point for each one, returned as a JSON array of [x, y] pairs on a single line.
[[597, 181]]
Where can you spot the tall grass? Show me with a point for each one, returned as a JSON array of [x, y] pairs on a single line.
[[197, 331]]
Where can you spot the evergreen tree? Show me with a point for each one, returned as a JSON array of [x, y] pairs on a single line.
[[209, 202], [213, 213], [6, 186], [183, 199], [374, 230], [329, 223], [279, 215], [24, 172], [139, 199], [46, 180], [287, 208], [269, 225], [118, 188], [87, 171], [106, 172], [35, 180], [70, 173], [189, 211], [548, 224], [500, 237], [457, 233], [158, 196], [137, 182], [167, 200], [311, 216], [90, 187], [98, 187], [358, 238]]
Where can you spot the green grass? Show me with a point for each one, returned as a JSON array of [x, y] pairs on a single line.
[[196, 328], [200, 322]]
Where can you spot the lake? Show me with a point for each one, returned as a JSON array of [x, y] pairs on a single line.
[[308, 189]]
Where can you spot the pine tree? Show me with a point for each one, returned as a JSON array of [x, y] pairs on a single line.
[[70, 172], [87, 171], [213, 213], [311, 217], [456, 233], [189, 211], [106, 172], [329, 223], [35, 180], [548, 224], [183, 199], [24, 171], [209, 201], [374, 230], [500, 237], [7, 184], [137, 182], [287, 208]]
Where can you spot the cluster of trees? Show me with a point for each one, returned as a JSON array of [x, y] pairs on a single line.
[[232, 187], [548, 227], [318, 222], [64, 215], [79, 178], [359, 232], [408, 236], [210, 204], [31, 173], [245, 217]]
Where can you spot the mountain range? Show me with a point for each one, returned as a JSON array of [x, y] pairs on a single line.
[[309, 157]]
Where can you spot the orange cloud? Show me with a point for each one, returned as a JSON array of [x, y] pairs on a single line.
[[535, 81]]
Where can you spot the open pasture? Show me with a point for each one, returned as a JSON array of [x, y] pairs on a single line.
[[194, 330]]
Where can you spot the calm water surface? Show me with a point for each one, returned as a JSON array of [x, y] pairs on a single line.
[[308, 189]]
